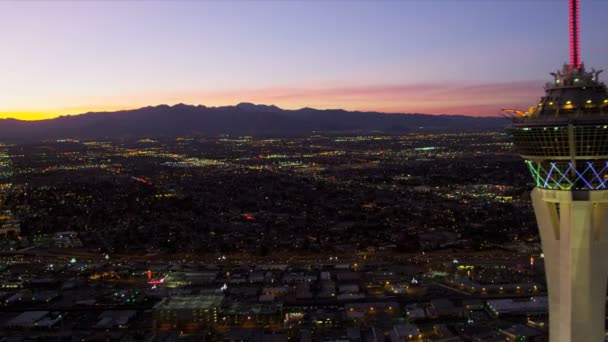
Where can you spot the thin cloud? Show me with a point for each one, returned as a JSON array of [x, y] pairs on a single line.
[[450, 98]]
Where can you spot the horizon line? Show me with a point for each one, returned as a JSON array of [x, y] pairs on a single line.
[[44, 115]]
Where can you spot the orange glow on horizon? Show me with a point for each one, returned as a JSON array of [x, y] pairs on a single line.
[[36, 115], [441, 98], [26, 116], [53, 114]]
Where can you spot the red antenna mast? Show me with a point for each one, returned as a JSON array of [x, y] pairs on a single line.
[[575, 34]]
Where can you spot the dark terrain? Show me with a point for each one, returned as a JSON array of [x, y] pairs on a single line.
[[242, 119]]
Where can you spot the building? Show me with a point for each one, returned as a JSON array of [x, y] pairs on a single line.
[[564, 141], [443, 307], [534, 305], [8, 225], [239, 313], [371, 310], [190, 312], [34, 320], [519, 332], [115, 319], [404, 332]]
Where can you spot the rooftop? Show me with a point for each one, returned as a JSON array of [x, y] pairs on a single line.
[[190, 302]]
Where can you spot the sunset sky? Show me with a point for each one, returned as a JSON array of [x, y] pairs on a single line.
[[428, 56]]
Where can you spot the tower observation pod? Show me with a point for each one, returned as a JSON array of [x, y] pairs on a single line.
[[564, 141]]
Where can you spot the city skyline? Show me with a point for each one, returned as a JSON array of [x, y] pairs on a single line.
[[70, 58]]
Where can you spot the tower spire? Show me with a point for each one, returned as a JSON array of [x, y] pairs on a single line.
[[575, 34]]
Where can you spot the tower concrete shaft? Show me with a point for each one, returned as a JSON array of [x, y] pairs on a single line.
[[573, 228]]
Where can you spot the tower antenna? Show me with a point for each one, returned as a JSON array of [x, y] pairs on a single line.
[[575, 34]]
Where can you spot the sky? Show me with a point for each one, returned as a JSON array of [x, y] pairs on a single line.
[[469, 57]]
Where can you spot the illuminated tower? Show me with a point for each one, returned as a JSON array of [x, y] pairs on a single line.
[[564, 141]]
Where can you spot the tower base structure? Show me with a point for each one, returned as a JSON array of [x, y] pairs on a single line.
[[573, 228]]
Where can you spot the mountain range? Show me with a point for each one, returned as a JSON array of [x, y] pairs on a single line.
[[242, 119]]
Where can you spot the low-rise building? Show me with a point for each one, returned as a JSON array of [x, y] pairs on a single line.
[[192, 311]]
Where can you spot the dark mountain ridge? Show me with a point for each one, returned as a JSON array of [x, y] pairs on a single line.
[[242, 119]]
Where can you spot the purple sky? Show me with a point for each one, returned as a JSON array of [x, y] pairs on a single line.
[[432, 56]]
